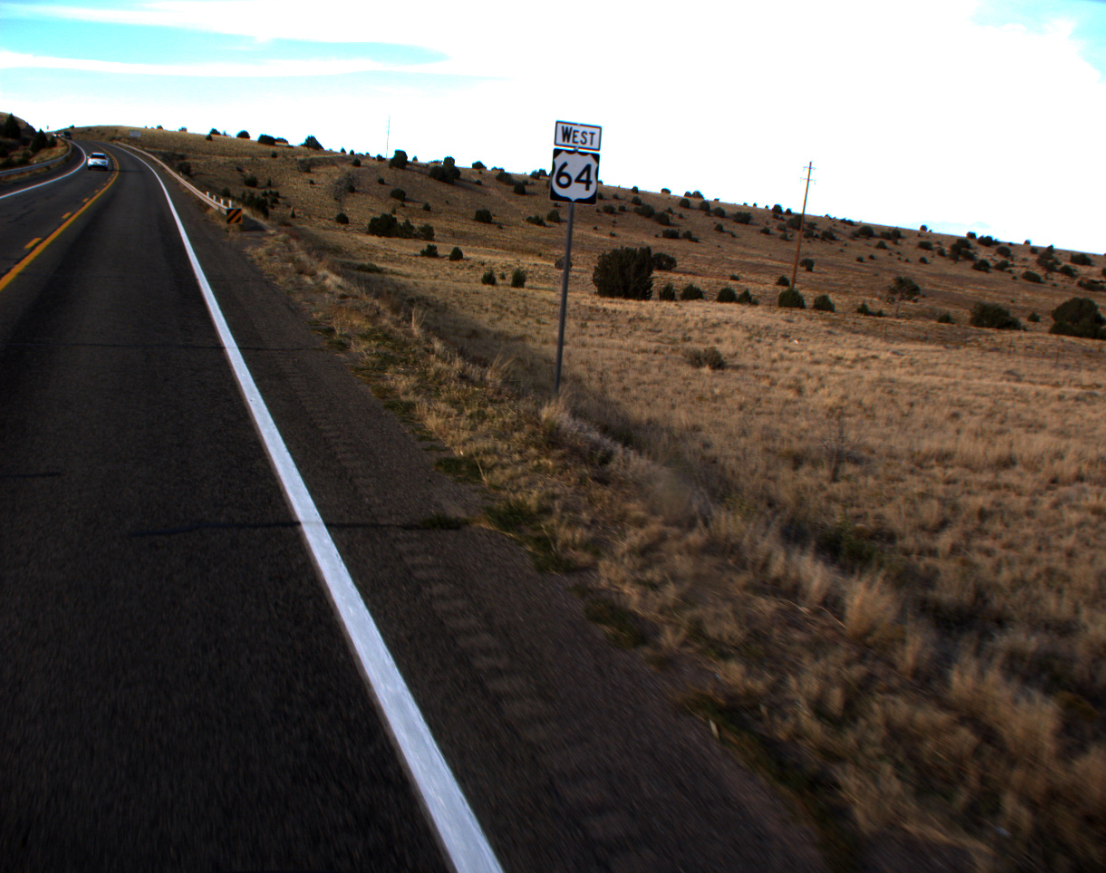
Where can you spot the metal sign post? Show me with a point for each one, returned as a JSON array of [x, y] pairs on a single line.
[[575, 179]]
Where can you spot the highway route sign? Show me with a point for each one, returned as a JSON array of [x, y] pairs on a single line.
[[575, 176]]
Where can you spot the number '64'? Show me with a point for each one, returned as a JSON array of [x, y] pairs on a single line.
[[564, 178]]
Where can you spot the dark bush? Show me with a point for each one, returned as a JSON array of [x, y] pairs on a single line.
[[1066, 270], [807, 264], [645, 210], [822, 303], [663, 262], [11, 127], [783, 282], [484, 216], [747, 298], [536, 220], [425, 232], [863, 309], [668, 292], [727, 295], [518, 278], [925, 245], [635, 200], [993, 316], [313, 144], [341, 218], [1081, 260], [903, 288], [946, 318], [704, 207], [711, 358], [743, 217], [865, 232], [553, 216], [520, 189], [790, 298], [685, 203], [691, 292], [1004, 251], [777, 210], [662, 219], [478, 165], [265, 139], [398, 194], [625, 273], [431, 251], [446, 171], [982, 265], [670, 233], [489, 277], [1080, 317], [828, 235], [250, 181], [1002, 265], [399, 160], [1030, 276], [456, 254], [356, 162], [1034, 318], [689, 236], [243, 134], [1091, 284], [505, 177], [882, 245], [387, 225]]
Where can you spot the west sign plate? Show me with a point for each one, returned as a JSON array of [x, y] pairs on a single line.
[[575, 176]]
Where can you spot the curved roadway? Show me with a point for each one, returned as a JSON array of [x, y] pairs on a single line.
[[177, 693]]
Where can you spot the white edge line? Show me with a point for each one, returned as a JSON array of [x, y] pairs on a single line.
[[79, 166], [465, 844]]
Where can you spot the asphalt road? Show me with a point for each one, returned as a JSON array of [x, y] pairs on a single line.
[[177, 693]]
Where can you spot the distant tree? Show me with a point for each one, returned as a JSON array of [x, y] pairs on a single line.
[[266, 139], [1078, 316], [901, 289], [313, 144], [663, 262], [243, 134], [399, 160], [993, 316], [625, 273], [807, 264], [446, 172], [456, 254]]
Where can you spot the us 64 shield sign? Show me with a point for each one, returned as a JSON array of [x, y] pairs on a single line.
[[575, 176]]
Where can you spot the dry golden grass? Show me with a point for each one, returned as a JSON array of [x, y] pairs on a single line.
[[882, 537]]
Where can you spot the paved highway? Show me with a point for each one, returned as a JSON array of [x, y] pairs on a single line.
[[177, 690]]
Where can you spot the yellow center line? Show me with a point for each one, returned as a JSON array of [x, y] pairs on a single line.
[[18, 268], [35, 241], [67, 215]]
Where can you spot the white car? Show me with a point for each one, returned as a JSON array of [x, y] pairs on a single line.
[[98, 161]]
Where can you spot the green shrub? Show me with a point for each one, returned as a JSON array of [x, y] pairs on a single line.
[[518, 278], [478, 165], [356, 162], [1081, 260], [807, 264], [704, 206], [822, 303], [313, 144], [828, 235], [1066, 270], [505, 177], [670, 233], [946, 318], [709, 358], [982, 265], [635, 200], [863, 309], [11, 127], [1080, 317], [691, 292], [537, 220], [398, 194], [553, 216], [250, 181], [1091, 284], [265, 139], [446, 171], [1030, 276], [456, 254], [746, 298], [865, 232], [489, 277], [520, 189], [663, 262], [685, 203], [903, 288], [341, 218], [783, 282], [790, 298], [1034, 318], [243, 134], [399, 160], [645, 210], [993, 316], [743, 218], [625, 273], [727, 295], [387, 225], [668, 292], [484, 216], [431, 251], [425, 232], [718, 228], [662, 219], [881, 245], [1004, 252]]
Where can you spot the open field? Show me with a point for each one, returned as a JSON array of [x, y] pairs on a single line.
[[879, 539]]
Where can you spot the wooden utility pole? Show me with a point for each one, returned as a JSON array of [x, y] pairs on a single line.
[[799, 244]]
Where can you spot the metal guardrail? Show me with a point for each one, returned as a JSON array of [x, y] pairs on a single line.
[[30, 168], [219, 203]]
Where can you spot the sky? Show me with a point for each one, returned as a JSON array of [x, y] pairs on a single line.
[[958, 114]]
